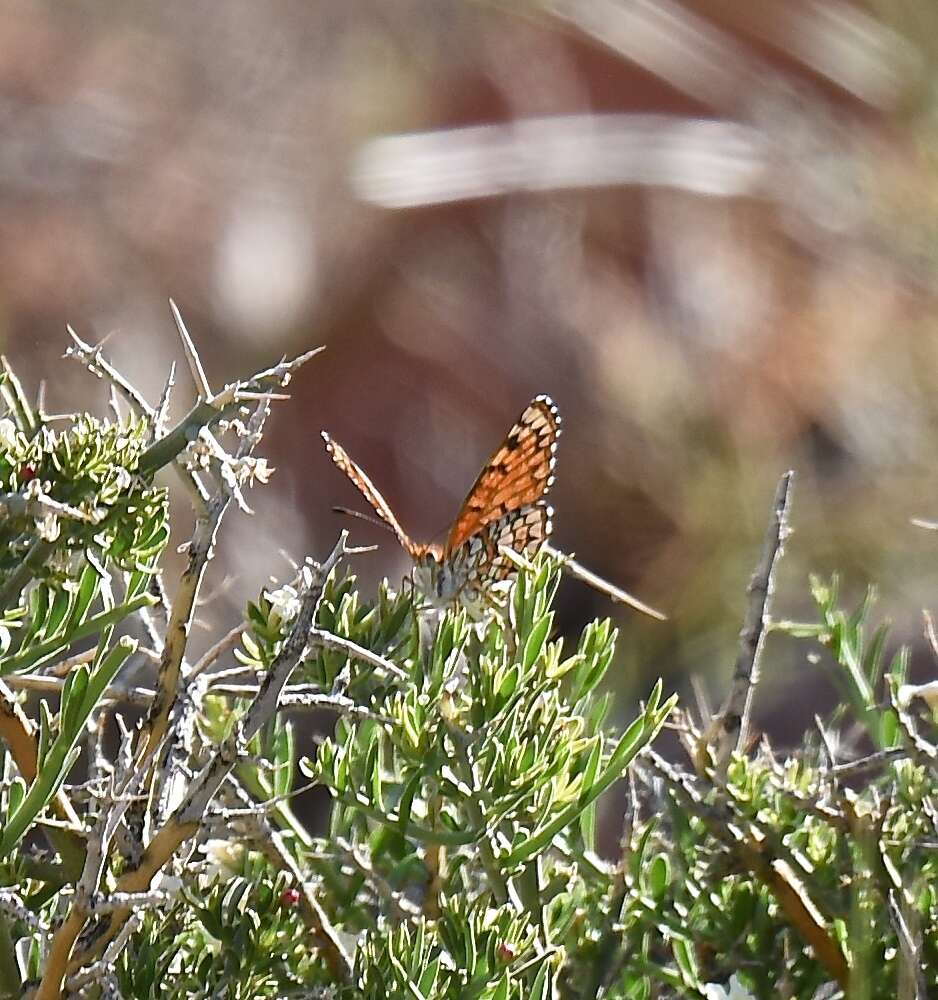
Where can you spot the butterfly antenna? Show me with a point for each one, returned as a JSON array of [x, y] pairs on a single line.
[[363, 517]]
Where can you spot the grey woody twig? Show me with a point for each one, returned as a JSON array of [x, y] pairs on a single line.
[[616, 594], [853, 768], [98, 905], [301, 696], [34, 503], [11, 903], [298, 696], [218, 649], [11, 392], [180, 620], [188, 816], [199, 552], [91, 357], [336, 643], [912, 967], [737, 711], [265, 702], [104, 967], [174, 728], [122, 789], [139, 696]]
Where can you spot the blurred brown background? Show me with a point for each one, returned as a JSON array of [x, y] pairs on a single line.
[[706, 229]]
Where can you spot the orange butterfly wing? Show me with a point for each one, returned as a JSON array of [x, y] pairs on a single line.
[[519, 473], [524, 531], [370, 492]]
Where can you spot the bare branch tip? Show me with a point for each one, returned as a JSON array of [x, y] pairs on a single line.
[[930, 635], [192, 355], [784, 487], [246, 395], [357, 550], [340, 549], [301, 359]]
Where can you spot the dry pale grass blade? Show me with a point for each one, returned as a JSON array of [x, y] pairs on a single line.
[[715, 158]]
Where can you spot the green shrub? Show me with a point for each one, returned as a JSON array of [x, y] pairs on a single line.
[[465, 768]]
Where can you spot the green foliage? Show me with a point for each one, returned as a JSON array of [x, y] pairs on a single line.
[[467, 767], [87, 468], [79, 524], [57, 742], [241, 938], [484, 757], [469, 952], [696, 909], [719, 917], [859, 658], [482, 743], [72, 495], [468, 792]]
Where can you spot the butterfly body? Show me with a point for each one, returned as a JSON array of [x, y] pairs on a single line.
[[442, 581], [505, 509]]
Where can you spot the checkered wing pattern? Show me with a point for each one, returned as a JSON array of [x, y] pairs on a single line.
[[505, 509], [515, 478], [523, 531]]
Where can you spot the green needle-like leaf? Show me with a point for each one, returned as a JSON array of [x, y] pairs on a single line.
[[62, 753]]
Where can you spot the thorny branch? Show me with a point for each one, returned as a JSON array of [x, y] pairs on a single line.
[[180, 620], [165, 448], [736, 713], [206, 413], [294, 696], [181, 700], [91, 357], [123, 787], [186, 819], [776, 873]]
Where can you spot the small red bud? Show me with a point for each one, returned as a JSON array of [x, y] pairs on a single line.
[[289, 897], [506, 952], [27, 472]]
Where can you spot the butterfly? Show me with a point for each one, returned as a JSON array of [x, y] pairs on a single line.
[[505, 509]]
